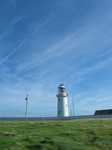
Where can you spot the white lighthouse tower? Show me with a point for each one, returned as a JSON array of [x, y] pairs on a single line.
[[63, 105]]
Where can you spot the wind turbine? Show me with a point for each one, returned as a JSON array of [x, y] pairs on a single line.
[[26, 108]]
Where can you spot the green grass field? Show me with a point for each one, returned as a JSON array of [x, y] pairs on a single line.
[[88, 134]]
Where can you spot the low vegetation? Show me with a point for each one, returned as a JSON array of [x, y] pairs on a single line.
[[88, 134]]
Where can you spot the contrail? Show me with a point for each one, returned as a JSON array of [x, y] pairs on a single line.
[[12, 52]]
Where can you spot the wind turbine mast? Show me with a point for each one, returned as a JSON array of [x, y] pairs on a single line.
[[26, 108]]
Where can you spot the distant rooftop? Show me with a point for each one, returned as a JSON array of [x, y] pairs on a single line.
[[103, 112]]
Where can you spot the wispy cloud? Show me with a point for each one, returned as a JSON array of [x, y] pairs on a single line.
[[9, 28], [86, 71], [11, 53], [87, 104], [17, 19]]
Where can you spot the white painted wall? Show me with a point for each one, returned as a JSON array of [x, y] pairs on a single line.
[[63, 107]]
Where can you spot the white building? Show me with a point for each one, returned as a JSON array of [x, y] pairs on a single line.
[[63, 105]]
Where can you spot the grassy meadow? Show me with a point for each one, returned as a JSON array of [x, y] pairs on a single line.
[[87, 134]]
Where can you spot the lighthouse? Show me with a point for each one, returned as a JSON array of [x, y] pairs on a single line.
[[62, 105]]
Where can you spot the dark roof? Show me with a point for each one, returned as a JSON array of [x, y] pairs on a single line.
[[103, 112]]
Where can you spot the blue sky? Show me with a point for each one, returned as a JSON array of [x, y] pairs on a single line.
[[45, 43]]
